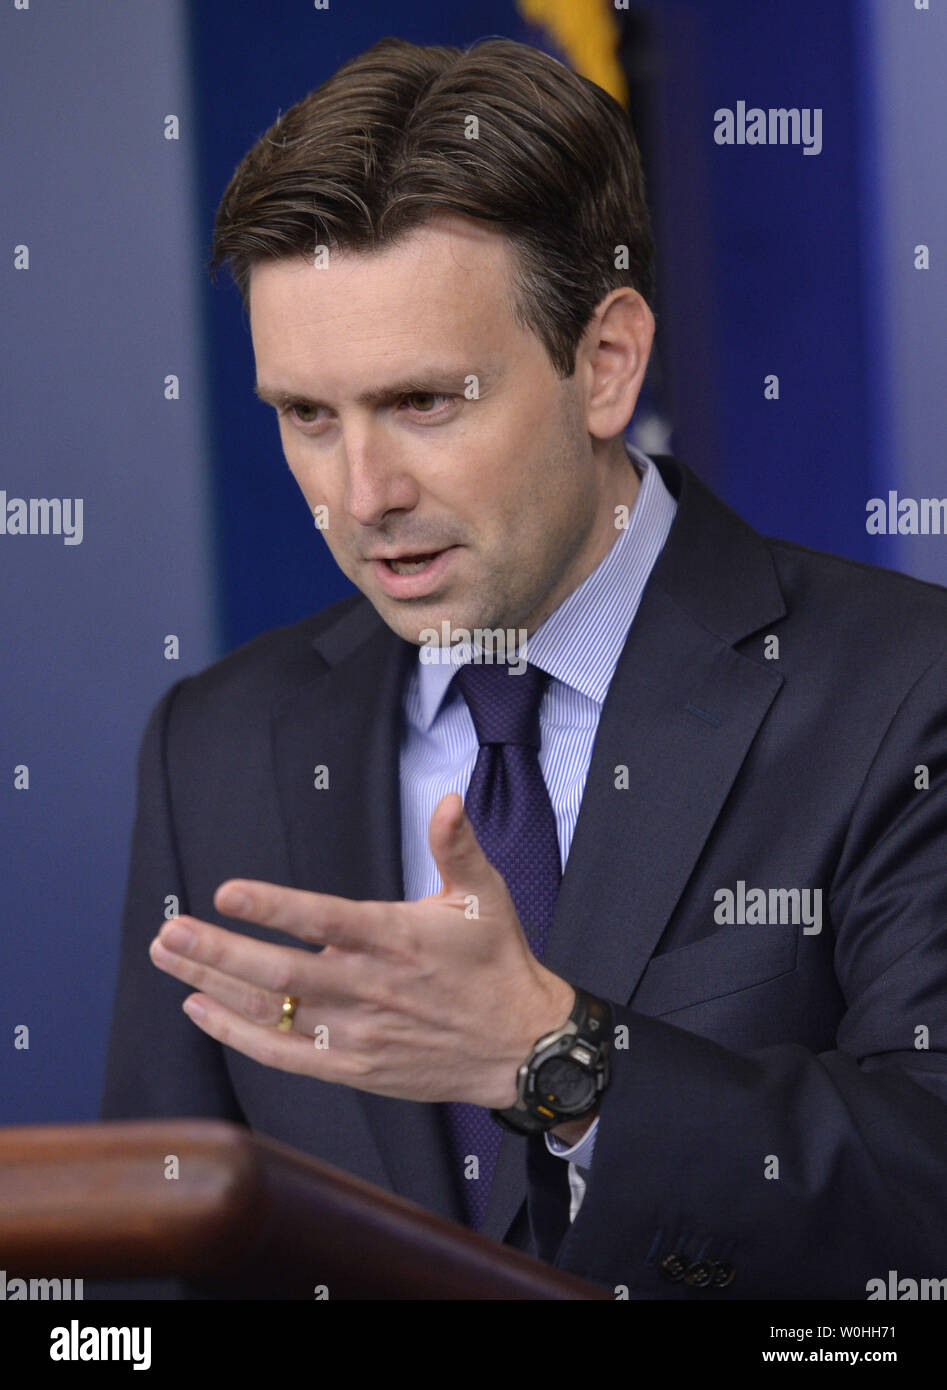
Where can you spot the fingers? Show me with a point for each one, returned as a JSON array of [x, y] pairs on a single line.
[[252, 976], [204, 956], [255, 1004], [461, 863], [317, 918], [291, 1051]]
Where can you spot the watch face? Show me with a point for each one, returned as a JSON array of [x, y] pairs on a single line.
[[563, 1084]]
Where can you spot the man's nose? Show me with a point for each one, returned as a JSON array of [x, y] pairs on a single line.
[[378, 479]]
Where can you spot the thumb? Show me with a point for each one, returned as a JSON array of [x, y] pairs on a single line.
[[461, 863]]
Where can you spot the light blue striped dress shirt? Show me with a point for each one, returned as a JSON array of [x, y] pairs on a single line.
[[579, 645]]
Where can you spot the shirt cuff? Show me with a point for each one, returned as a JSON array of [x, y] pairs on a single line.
[[581, 1153]]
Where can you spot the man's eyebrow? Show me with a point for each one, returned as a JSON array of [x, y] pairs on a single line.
[[434, 380]]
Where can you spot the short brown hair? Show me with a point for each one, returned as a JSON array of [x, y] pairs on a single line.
[[380, 148]]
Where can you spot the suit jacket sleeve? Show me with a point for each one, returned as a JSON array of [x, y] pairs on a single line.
[[154, 1066], [689, 1129]]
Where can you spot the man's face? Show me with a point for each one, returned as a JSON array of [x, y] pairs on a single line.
[[425, 420]]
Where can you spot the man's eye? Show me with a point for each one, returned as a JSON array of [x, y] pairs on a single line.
[[419, 402], [424, 402]]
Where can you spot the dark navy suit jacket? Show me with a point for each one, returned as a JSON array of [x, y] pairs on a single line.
[[745, 1043]]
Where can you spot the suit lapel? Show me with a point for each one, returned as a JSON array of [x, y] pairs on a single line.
[[680, 716], [681, 713], [345, 839]]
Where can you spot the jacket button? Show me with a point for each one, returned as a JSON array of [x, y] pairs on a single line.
[[724, 1274], [674, 1267], [700, 1274]]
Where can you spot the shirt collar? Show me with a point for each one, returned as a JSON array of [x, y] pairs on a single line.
[[581, 641]]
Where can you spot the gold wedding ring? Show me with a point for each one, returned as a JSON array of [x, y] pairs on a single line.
[[290, 1005]]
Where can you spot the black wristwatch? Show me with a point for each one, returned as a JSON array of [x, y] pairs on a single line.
[[566, 1072]]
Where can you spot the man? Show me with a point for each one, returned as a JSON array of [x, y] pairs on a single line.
[[713, 1052]]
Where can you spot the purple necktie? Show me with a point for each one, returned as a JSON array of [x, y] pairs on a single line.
[[509, 808]]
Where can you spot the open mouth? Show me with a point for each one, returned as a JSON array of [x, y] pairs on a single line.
[[412, 564], [415, 576]]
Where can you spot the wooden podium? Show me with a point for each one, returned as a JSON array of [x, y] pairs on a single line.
[[244, 1217]]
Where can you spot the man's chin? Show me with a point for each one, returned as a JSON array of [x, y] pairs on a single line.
[[424, 627], [427, 624]]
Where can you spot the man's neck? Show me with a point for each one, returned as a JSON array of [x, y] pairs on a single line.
[[618, 500]]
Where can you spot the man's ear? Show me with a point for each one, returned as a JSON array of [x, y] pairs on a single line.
[[612, 359]]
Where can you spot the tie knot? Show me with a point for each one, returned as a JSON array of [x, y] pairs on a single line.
[[503, 701]]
